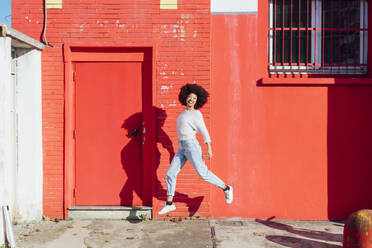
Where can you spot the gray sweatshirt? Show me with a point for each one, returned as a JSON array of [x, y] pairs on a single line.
[[189, 122]]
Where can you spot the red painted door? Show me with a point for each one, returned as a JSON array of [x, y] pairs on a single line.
[[108, 133]]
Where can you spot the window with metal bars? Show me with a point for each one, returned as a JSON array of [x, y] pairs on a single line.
[[318, 36]]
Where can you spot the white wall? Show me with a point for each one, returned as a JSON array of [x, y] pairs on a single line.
[[233, 6], [7, 131], [29, 183], [21, 165]]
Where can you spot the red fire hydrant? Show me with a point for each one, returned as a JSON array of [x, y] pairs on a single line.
[[358, 230]]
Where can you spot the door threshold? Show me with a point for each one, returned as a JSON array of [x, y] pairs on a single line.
[[110, 212]]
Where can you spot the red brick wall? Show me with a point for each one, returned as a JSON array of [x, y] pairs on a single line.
[[182, 41]]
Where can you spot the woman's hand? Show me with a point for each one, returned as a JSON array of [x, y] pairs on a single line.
[[209, 151]]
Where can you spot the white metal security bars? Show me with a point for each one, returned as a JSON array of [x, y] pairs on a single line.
[[318, 36]]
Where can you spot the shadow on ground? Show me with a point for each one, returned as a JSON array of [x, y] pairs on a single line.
[[295, 242]]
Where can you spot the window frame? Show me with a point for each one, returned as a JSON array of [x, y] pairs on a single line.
[[316, 64]]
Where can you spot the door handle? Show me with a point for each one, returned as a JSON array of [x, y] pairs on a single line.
[[134, 133]]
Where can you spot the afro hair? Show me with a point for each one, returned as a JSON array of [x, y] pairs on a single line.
[[201, 93]]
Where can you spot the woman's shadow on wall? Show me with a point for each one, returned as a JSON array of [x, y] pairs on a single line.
[[131, 160]]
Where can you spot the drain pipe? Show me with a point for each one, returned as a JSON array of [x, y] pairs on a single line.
[[8, 228], [44, 40]]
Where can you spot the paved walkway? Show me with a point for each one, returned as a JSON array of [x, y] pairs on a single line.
[[195, 233]]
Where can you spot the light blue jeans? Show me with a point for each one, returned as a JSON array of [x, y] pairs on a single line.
[[189, 150]]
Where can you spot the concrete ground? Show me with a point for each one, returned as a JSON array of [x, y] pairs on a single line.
[[180, 233]]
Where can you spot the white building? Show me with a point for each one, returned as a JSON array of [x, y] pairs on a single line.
[[21, 167]]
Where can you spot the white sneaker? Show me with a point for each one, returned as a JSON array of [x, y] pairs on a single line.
[[167, 209], [229, 195]]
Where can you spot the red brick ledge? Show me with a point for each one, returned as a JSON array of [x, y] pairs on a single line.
[[315, 81]]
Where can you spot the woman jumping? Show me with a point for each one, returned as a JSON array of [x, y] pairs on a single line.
[[189, 122]]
